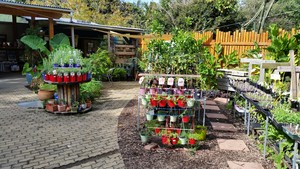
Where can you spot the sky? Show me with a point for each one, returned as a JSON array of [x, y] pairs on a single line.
[[141, 1]]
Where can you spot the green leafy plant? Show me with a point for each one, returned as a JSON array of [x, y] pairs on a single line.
[[92, 89], [100, 63], [119, 73]]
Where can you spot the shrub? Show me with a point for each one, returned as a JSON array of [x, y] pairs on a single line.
[[119, 73]]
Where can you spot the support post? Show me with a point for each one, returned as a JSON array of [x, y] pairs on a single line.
[[266, 136], [51, 29], [72, 36], [139, 109], [295, 155], [204, 111], [293, 75]]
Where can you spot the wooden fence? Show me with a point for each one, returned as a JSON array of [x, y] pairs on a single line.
[[239, 41]]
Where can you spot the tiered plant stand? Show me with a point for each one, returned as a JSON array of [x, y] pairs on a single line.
[[69, 92]]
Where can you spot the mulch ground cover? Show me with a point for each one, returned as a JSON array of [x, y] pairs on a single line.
[[207, 156]]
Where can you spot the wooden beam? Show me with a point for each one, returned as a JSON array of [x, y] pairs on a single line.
[[51, 29], [288, 69], [275, 65], [29, 12]]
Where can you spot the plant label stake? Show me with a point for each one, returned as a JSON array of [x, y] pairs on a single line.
[[161, 81], [141, 80], [180, 82], [170, 81]]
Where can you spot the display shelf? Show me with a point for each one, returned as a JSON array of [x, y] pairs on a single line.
[[66, 83], [71, 112]]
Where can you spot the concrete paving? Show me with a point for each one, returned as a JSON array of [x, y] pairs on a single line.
[[32, 138]]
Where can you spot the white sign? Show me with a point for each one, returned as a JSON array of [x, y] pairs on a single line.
[[161, 81], [180, 82], [275, 76], [170, 81], [141, 80]]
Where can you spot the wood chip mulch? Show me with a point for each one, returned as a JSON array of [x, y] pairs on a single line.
[[208, 156]]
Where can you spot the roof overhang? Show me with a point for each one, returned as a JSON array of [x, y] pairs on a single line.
[[21, 9]]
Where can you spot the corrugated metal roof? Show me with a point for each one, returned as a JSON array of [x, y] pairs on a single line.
[[80, 23], [21, 4]]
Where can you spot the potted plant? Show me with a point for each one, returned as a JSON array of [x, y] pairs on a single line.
[[190, 102], [184, 116], [174, 138], [46, 91], [173, 116], [66, 76], [201, 132], [183, 138], [75, 106], [59, 76], [145, 101], [73, 75], [144, 134], [181, 100], [149, 115], [192, 138], [154, 101], [162, 102], [51, 107], [82, 102], [62, 106], [161, 116], [171, 100]]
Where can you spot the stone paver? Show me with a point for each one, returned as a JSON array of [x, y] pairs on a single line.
[[243, 165], [216, 116], [231, 144], [34, 139], [212, 107], [223, 126], [221, 100], [211, 102]]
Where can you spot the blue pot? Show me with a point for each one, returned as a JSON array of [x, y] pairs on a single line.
[[55, 65], [43, 76], [77, 65], [89, 76], [29, 78]]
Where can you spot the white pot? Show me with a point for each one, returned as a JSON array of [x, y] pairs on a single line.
[[144, 102], [173, 118], [182, 140], [161, 117], [149, 117], [190, 102]]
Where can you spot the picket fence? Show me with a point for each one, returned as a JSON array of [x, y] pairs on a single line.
[[239, 41]]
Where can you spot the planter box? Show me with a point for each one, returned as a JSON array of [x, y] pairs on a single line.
[[51, 107], [239, 110]]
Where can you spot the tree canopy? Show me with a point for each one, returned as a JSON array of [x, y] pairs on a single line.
[[193, 15]]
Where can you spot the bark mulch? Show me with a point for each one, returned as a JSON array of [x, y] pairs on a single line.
[[208, 156]]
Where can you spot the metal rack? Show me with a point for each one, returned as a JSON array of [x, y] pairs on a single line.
[[197, 101]]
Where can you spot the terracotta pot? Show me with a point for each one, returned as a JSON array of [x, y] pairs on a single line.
[[51, 107], [61, 108], [45, 94], [88, 103], [185, 119], [162, 103]]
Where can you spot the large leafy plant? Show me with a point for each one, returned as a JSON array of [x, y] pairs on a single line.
[[100, 63]]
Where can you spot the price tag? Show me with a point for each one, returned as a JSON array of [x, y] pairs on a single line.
[[170, 81], [275, 76], [141, 80], [180, 82], [161, 81]]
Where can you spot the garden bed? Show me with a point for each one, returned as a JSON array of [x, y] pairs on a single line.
[[208, 156]]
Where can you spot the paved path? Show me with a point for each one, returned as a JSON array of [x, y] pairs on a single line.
[[36, 139]]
